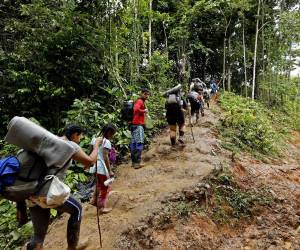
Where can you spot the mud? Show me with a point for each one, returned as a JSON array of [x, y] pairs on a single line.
[[137, 220], [139, 192]]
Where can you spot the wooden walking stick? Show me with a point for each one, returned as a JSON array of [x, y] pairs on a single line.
[[97, 194], [190, 118]]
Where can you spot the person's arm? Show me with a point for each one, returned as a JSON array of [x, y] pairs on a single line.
[[88, 160], [107, 162], [138, 107]]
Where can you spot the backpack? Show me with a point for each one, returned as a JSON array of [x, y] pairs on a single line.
[[112, 155], [28, 179], [9, 168], [43, 153], [127, 111]]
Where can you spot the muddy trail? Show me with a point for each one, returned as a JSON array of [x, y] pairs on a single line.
[[141, 217], [274, 225], [139, 193]]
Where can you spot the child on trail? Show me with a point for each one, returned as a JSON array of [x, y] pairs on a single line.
[[104, 169]]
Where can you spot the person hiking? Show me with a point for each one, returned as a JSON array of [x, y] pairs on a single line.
[[195, 98], [41, 216], [137, 128], [104, 169], [175, 107], [206, 96], [214, 88]]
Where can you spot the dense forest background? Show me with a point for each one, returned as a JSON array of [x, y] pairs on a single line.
[[76, 61], [64, 59]]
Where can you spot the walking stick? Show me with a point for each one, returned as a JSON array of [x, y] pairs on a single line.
[[190, 116], [97, 194]]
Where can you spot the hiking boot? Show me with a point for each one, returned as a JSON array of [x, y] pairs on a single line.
[[81, 245], [37, 246]]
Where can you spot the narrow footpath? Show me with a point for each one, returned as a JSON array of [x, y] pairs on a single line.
[[139, 192]]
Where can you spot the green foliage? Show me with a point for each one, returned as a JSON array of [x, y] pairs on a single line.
[[183, 209], [75, 174], [232, 201], [7, 149], [249, 125], [10, 235]]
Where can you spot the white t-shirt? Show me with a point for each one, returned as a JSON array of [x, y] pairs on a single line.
[[101, 167]]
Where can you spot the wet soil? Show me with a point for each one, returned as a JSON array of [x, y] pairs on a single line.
[[140, 192], [137, 222]]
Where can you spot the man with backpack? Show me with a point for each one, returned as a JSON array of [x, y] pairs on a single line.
[[175, 106], [137, 128], [195, 98]]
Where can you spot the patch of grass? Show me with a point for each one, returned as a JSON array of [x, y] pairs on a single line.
[[184, 209], [230, 201], [249, 125], [226, 203]]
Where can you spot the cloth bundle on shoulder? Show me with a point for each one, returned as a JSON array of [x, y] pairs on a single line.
[[32, 137], [43, 154]]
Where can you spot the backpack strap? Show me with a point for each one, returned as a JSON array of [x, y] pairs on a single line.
[[56, 172]]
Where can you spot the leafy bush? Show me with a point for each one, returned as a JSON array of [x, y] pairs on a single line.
[[10, 235], [249, 125]]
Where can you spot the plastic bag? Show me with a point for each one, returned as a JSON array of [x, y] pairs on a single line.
[[148, 122], [57, 194]]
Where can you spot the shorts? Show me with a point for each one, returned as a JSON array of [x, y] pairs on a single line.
[[195, 107], [175, 116]]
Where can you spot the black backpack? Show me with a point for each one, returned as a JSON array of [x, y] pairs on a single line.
[[127, 111]]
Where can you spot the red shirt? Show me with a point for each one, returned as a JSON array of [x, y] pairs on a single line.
[[139, 112]]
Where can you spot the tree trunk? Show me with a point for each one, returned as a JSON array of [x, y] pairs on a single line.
[[150, 31], [224, 61], [166, 38], [255, 52], [229, 65], [263, 40], [224, 53], [245, 60]]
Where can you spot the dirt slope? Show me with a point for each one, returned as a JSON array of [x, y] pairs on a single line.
[[139, 192], [273, 226]]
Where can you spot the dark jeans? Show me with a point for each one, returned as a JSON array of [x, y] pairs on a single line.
[[40, 219], [136, 150]]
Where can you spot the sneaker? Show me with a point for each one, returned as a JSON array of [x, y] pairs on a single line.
[[105, 210], [137, 165]]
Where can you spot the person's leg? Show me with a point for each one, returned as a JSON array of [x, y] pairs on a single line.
[[133, 148], [202, 108], [132, 144], [181, 122], [22, 217], [139, 150], [102, 191], [72, 207], [193, 113], [173, 134], [197, 115], [181, 133], [40, 221], [139, 146]]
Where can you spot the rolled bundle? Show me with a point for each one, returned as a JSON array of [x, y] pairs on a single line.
[[32, 137], [172, 90]]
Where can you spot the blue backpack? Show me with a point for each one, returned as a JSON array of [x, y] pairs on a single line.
[[9, 169]]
